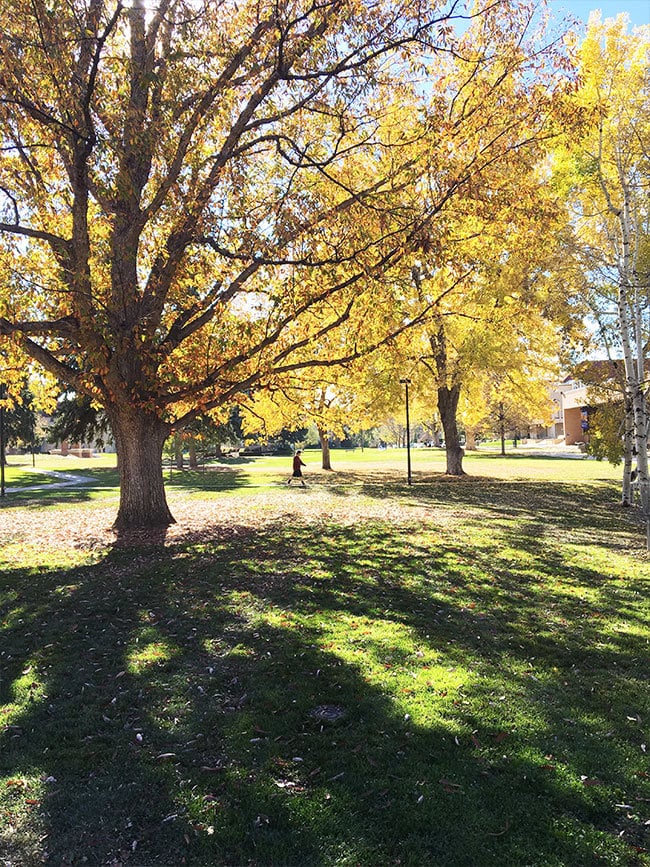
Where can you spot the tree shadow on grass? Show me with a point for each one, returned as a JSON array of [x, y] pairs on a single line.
[[587, 509], [175, 696], [55, 492], [212, 478], [51, 496]]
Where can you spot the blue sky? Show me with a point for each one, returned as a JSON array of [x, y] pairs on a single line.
[[638, 10]]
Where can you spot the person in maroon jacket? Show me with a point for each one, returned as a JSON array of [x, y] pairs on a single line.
[[297, 472]]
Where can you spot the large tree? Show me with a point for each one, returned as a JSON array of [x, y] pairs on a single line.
[[183, 191], [484, 271], [195, 195]]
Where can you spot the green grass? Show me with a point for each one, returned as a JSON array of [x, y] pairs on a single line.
[[484, 640], [246, 472]]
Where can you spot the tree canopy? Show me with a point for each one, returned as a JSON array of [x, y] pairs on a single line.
[[197, 198]]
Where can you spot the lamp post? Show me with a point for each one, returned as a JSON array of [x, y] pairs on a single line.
[[406, 382], [502, 430]]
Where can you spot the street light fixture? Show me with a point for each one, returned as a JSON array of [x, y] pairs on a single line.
[[406, 382]]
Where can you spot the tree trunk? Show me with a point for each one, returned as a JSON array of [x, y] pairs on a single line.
[[447, 407], [325, 448], [178, 451], [193, 459], [502, 430], [634, 394], [140, 438], [470, 440], [630, 318], [627, 495]]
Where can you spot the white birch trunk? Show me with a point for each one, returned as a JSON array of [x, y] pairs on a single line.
[[629, 312], [627, 497], [630, 317]]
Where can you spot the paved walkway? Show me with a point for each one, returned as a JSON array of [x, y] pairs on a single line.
[[62, 480], [546, 449]]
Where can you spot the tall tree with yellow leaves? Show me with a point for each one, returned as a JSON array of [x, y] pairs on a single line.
[[194, 198], [190, 195], [483, 271], [501, 312]]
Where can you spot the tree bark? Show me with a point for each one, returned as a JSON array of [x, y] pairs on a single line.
[[447, 408], [470, 440], [325, 448], [178, 452], [140, 438], [627, 494], [630, 319], [628, 311], [193, 459], [448, 396]]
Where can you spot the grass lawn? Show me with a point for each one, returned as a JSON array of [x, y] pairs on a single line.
[[360, 673]]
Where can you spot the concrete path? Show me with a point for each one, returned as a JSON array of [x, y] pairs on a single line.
[[63, 480]]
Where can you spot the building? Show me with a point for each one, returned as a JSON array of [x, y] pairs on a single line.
[[576, 394], [575, 412]]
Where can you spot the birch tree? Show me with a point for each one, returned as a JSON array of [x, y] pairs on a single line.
[[610, 171]]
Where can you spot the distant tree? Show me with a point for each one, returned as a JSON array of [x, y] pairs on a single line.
[[334, 400], [20, 422], [606, 426], [608, 412], [77, 418], [511, 399], [207, 434]]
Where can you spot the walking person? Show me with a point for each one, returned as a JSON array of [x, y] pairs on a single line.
[[297, 472]]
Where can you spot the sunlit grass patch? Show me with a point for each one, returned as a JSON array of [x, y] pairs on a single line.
[[12, 617], [29, 553], [148, 653], [22, 820], [28, 687]]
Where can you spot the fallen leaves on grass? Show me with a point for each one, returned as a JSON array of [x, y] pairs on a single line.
[[88, 527]]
